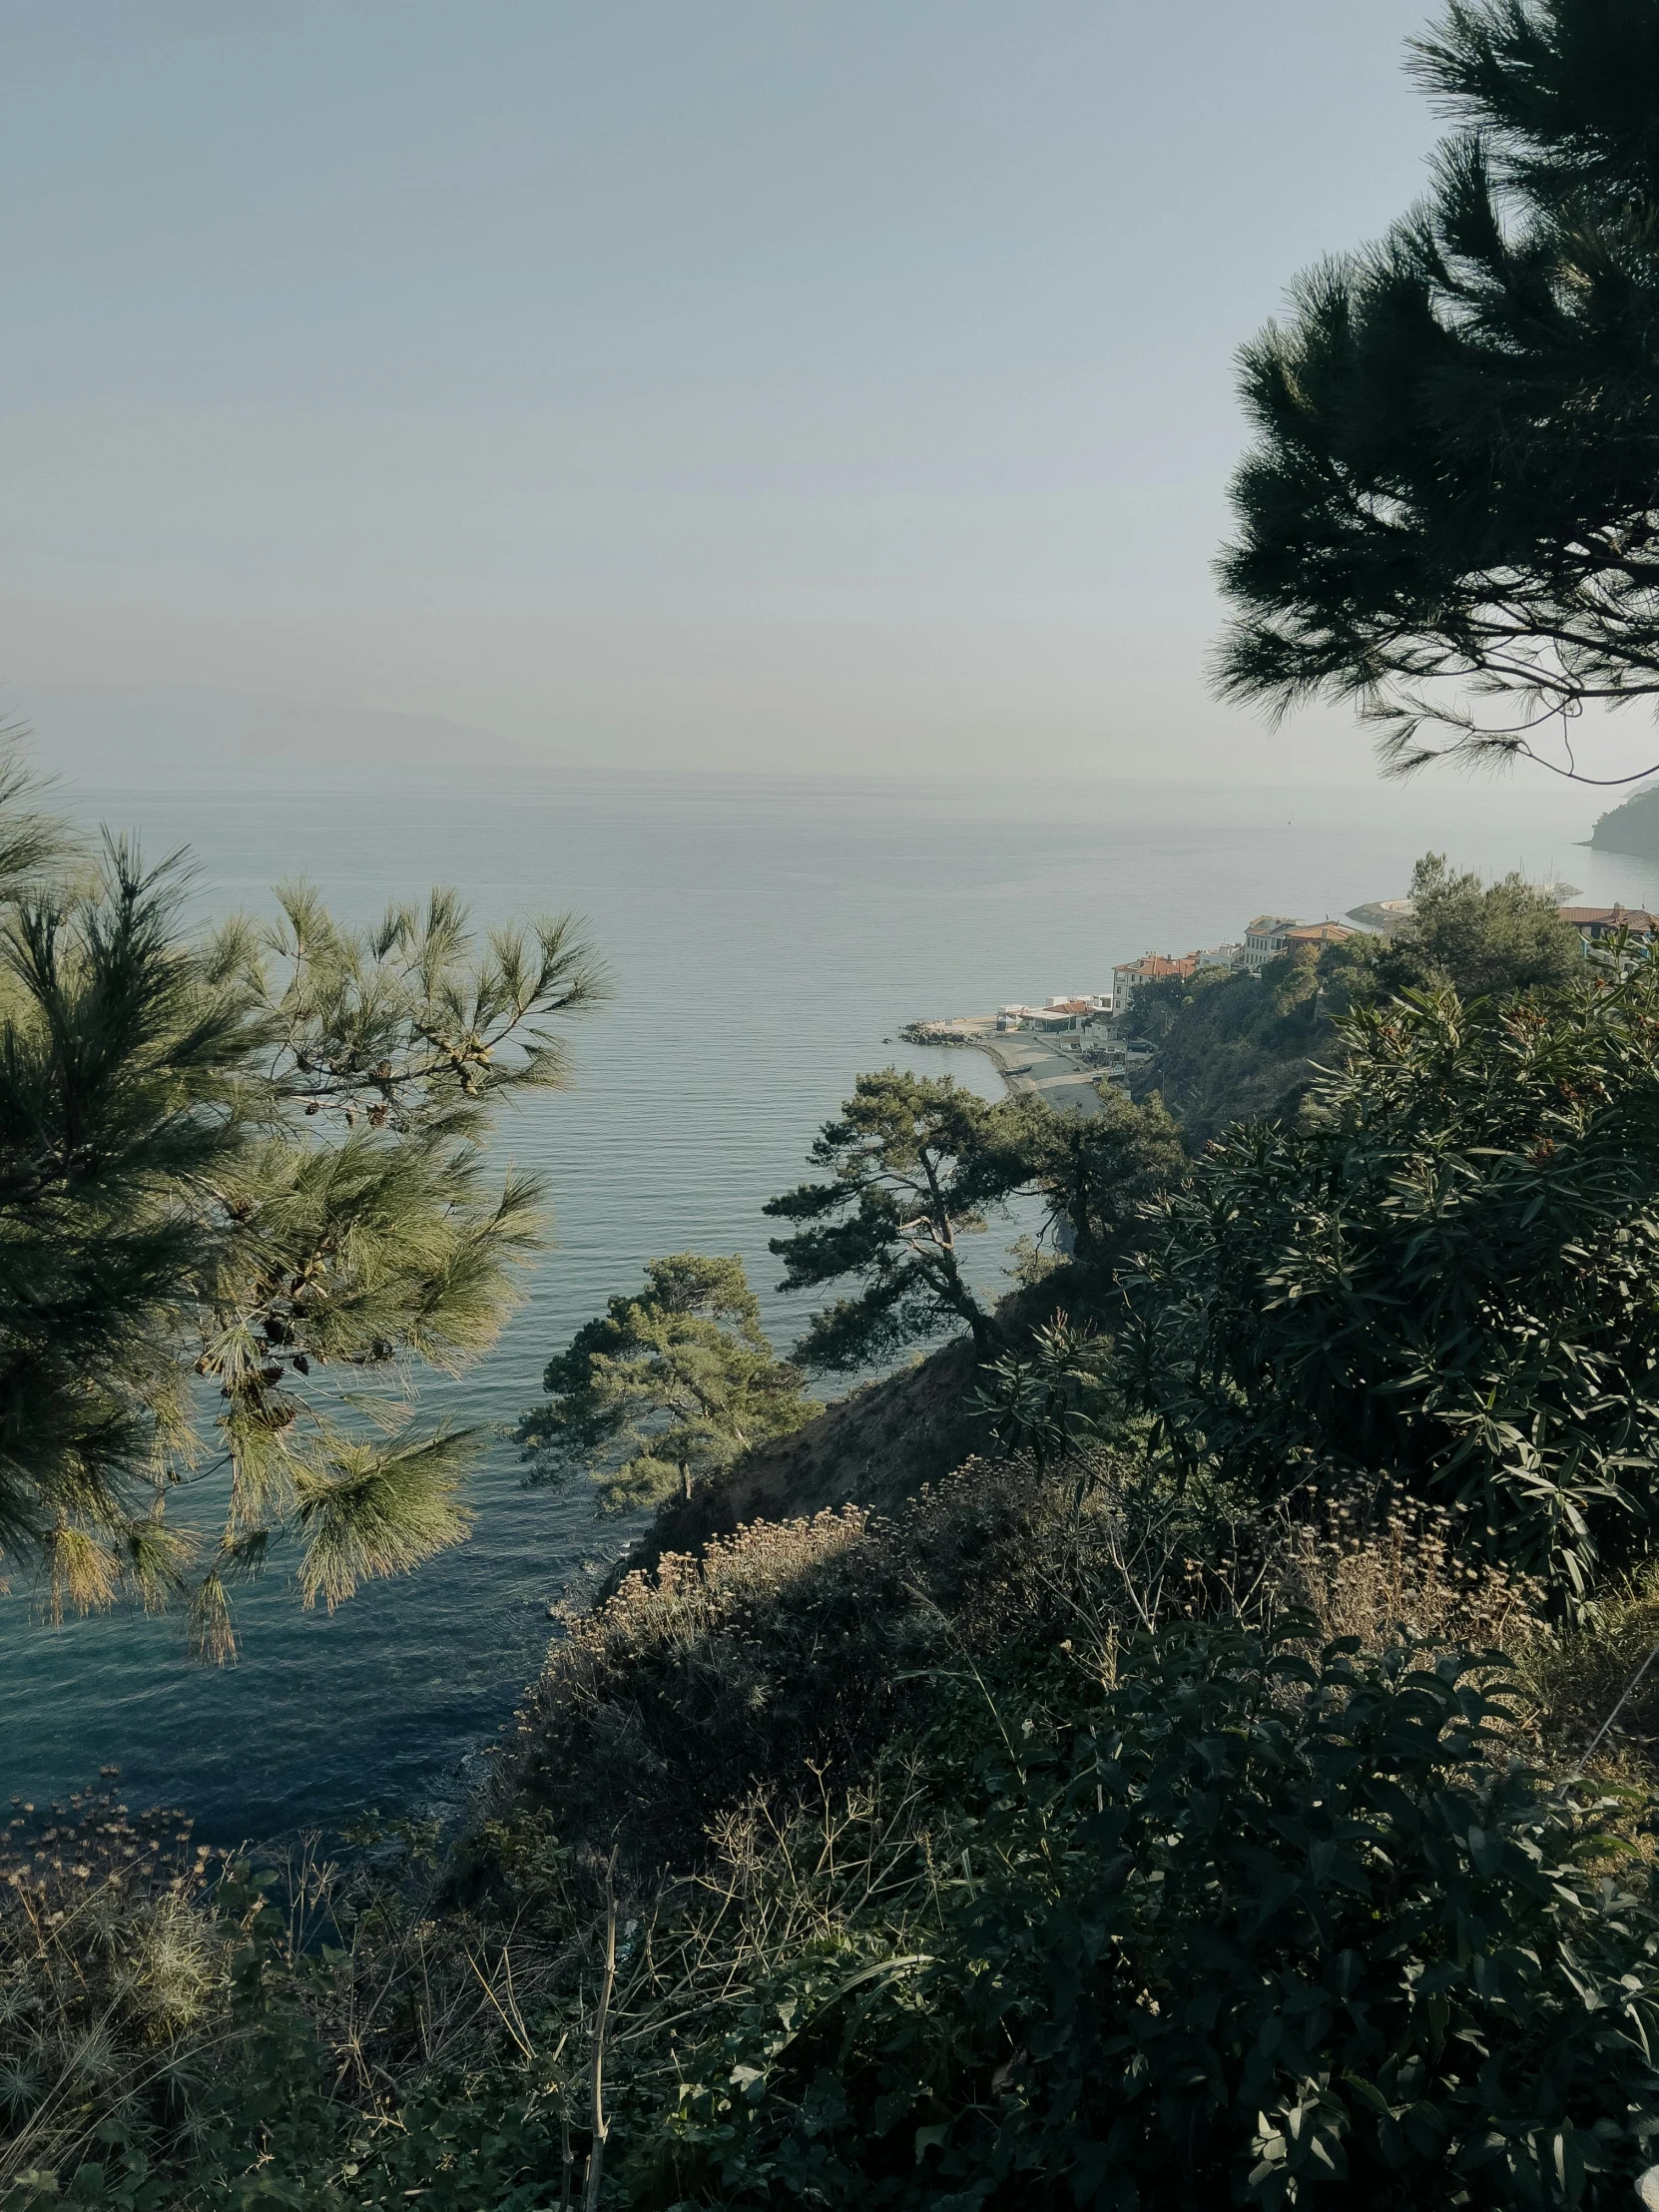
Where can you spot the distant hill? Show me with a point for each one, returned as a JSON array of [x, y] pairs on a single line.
[[1632, 828], [198, 736]]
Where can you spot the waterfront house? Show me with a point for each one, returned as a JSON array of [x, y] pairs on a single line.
[[1064, 1016], [1595, 923], [1264, 940], [1078, 1012], [1315, 935], [1152, 967]]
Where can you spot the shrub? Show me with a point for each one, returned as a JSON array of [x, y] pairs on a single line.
[[1377, 1568], [783, 1648], [113, 1974], [1599, 1685], [1233, 1928], [1451, 1281]]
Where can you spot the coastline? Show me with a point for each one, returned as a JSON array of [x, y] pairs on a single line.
[[1028, 1067]]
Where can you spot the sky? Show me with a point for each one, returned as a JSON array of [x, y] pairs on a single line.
[[753, 385]]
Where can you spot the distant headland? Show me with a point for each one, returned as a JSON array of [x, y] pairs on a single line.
[[1632, 828]]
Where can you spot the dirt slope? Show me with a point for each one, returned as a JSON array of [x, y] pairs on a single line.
[[875, 1447]]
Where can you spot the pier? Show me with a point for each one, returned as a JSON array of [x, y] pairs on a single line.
[[1050, 1068]]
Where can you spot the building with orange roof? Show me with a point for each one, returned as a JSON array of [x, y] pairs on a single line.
[[1264, 940], [1594, 922], [1318, 934], [1152, 967]]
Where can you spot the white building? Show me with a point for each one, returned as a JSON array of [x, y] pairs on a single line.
[[1058, 1016], [1264, 941], [1152, 967]]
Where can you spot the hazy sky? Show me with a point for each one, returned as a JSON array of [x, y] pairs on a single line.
[[733, 384]]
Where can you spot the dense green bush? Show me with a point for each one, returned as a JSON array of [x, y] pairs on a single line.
[[1238, 1929], [1451, 1280]]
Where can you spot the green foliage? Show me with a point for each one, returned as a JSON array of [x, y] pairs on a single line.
[[1054, 1395], [913, 1164], [1227, 1046], [1480, 940], [1233, 1928], [1632, 826], [1451, 1281], [249, 1164], [1241, 1047], [666, 1387], [1097, 1172], [783, 1651], [1112, 1920], [1451, 491]]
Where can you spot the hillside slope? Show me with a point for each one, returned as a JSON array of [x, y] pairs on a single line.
[[875, 1447]]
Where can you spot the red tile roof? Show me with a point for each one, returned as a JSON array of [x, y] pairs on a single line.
[[1608, 917], [1156, 965], [1318, 932]]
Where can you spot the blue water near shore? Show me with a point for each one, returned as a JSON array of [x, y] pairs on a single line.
[[765, 938]]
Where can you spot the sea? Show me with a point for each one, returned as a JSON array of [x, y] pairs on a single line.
[[765, 938]]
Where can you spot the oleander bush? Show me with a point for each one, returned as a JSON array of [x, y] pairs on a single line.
[[1232, 1928], [1449, 1282]]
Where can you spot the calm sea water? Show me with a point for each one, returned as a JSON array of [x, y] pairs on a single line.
[[765, 939]]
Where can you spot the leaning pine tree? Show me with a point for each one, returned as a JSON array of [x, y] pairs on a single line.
[[912, 1165], [242, 1199], [1450, 516]]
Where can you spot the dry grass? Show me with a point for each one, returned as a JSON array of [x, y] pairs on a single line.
[[1378, 1567], [1580, 1678], [789, 1650], [785, 1649], [113, 1970]]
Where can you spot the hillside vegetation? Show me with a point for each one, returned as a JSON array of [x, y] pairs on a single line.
[[1632, 826], [1240, 1047], [1205, 1790]]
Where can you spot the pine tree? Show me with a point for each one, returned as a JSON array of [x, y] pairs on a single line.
[[1482, 940], [665, 1389], [1449, 517], [1099, 1173], [914, 1163], [243, 1198]]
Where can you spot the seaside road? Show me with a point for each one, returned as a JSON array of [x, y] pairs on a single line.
[[1028, 1064]]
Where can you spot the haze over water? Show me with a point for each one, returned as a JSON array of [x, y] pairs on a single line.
[[765, 938]]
